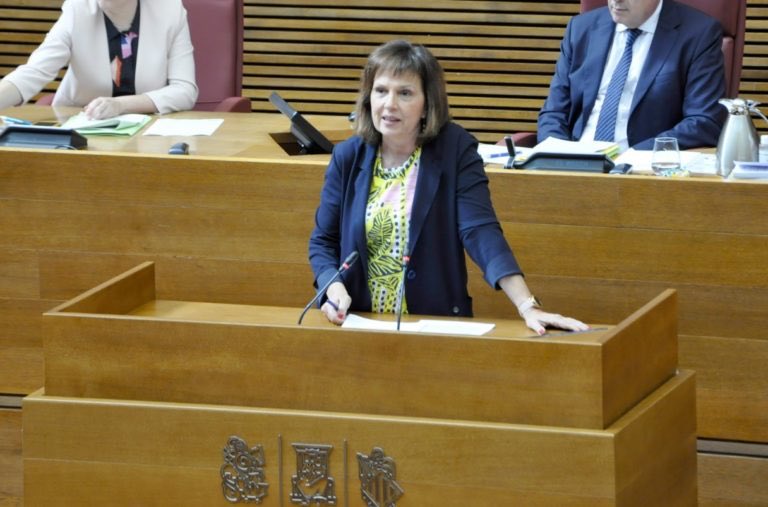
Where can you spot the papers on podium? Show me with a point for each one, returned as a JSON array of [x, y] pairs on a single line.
[[122, 125], [423, 326]]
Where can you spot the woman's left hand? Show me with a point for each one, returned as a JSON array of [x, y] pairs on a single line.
[[538, 320]]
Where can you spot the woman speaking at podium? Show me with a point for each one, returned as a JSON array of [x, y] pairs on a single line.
[[123, 56], [409, 194]]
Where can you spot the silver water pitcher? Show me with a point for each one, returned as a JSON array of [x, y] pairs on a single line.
[[738, 139]]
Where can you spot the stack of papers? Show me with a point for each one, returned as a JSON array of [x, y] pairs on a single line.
[[749, 171], [123, 125], [553, 145], [497, 154], [423, 326]]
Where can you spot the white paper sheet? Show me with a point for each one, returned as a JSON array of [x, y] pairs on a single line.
[[423, 326], [493, 153], [171, 127], [497, 154], [455, 327]]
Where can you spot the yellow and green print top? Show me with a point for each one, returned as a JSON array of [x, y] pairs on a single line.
[[387, 219]]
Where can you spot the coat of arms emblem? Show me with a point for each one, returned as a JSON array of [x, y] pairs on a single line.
[[311, 484], [377, 479], [242, 474]]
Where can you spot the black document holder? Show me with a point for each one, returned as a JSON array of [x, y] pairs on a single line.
[[579, 162], [35, 136]]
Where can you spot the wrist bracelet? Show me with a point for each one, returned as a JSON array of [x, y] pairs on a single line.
[[530, 302]]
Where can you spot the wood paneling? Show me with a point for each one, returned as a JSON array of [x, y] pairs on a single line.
[[21, 344], [498, 70], [235, 231], [148, 450], [722, 480], [499, 56], [734, 481], [106, 343], [11, 489]]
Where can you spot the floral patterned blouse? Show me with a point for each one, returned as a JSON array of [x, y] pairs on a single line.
[[387, 218]]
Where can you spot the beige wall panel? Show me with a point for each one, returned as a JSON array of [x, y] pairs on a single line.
[[732, 386], [189, 278], [160, 180], [21, 349], [736, 481], [670, 256], [22, 369], [11, 464], [18, 274], [562, 198], [134, 229]]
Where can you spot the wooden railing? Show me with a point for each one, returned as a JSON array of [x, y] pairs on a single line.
[[499, 56]]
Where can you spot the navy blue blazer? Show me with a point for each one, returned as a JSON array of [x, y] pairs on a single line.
[[677, 92], [451, 212]]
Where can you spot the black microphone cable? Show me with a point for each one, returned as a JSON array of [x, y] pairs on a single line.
[[401, 294]]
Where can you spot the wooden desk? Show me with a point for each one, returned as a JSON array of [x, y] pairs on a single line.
[[241, 135], [233, 229], [500, 419]]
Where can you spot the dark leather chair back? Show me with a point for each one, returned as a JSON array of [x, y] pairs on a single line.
[[732, 15]]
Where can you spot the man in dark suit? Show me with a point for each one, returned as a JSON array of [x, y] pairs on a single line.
[[674, 76]]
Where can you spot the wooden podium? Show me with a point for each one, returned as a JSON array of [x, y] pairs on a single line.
[[158, 402]]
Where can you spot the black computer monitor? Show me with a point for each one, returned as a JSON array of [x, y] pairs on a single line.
[[310, 139], [36, 136]]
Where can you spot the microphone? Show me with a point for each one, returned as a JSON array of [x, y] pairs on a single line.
[[401, 294], [348, 262]]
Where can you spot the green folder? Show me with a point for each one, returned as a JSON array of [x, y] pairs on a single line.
[[123, 125]]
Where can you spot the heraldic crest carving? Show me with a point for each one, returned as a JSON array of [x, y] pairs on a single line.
[[377, 479], [312, 484], [242, 474]]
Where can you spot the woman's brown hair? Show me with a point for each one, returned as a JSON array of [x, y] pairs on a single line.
[[401, 57]]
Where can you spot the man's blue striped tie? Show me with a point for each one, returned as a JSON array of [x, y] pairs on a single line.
[[606, 122]]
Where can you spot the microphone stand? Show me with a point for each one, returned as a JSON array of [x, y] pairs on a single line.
[[348, 262], [401, 294]]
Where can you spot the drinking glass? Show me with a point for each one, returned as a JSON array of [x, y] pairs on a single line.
[[666, 156]]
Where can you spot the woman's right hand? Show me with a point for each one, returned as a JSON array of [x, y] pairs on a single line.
[[337, 303]]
